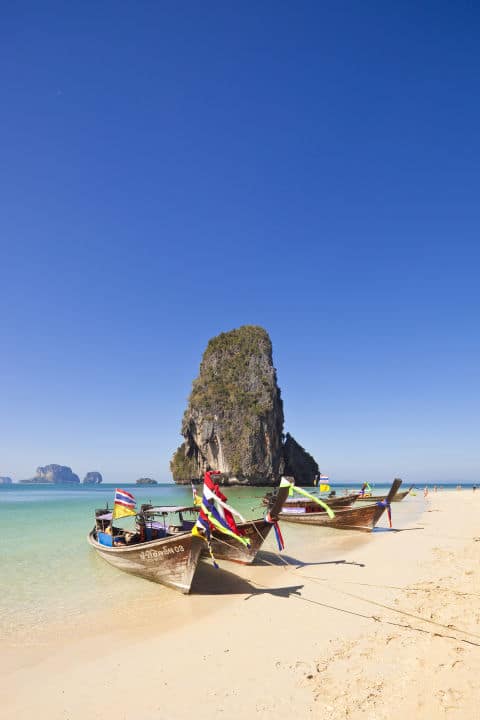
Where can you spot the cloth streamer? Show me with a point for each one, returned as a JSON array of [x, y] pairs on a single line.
[[278, 532], [300, 491], [386, 504], [216, 514]]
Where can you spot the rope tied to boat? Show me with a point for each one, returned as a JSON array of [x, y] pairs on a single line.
[[386, 504]]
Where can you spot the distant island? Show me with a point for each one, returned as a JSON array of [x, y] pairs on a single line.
[[53, 475], [93, 478], [146, 481], [5, 480], [234, 419]]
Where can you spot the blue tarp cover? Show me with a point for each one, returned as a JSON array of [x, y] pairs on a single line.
[[104, 539]]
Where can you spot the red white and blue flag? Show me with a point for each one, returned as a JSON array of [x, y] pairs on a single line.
[[215, 514]]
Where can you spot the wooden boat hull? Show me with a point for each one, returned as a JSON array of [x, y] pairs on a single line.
[[398, 497], [226, 548], [335, 502], [344, 501], [401, 495], [332, 503], [170, 561], [361, 518]]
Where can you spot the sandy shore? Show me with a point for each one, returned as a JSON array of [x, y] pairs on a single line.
[[381, 626]]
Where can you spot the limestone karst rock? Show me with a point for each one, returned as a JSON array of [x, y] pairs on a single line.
[[298, 462], [54, 474], [234, 419], [93, 478]]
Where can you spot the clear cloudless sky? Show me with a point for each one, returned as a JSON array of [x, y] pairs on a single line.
[[171, 170]]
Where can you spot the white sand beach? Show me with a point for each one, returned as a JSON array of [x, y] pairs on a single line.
[[381, 626]]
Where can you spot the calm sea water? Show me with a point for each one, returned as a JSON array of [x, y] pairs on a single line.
[[48, 571]]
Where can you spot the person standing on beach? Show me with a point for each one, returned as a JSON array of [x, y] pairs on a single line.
[[425, 491]]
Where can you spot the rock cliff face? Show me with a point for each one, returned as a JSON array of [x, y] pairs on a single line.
[[298, 462], [234, 419], [6, 480], [92, 478], [54, 474]]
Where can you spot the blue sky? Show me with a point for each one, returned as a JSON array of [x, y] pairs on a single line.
[[173, 170]]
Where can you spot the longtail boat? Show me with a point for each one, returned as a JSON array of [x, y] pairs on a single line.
[[363, 518], [402, 495], [226, 548], [333, 502], [165, 553], [378, 498]]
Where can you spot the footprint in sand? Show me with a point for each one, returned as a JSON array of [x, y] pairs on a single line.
[[450, 699]]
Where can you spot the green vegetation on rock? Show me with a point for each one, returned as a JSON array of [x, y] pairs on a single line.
[[183, 468], [228, 377]]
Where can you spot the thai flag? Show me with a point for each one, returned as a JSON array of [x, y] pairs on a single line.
[[125, 499], [211, 494], [215, 514]]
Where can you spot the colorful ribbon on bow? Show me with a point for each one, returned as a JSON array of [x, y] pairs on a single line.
[[206, 536], [278, 532], [386, 504], [300, 491], [215, 514], [366, 488]]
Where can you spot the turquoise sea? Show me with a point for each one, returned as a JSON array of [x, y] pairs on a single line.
[[48, 571]]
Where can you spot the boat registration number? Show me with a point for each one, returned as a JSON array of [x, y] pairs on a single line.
[[154, 554]]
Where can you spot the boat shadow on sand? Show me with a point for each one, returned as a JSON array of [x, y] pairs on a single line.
[[268, 558], [213, 581], [377, 530]]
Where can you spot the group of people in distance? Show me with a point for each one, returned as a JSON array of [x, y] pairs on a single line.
[[459, 487]]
